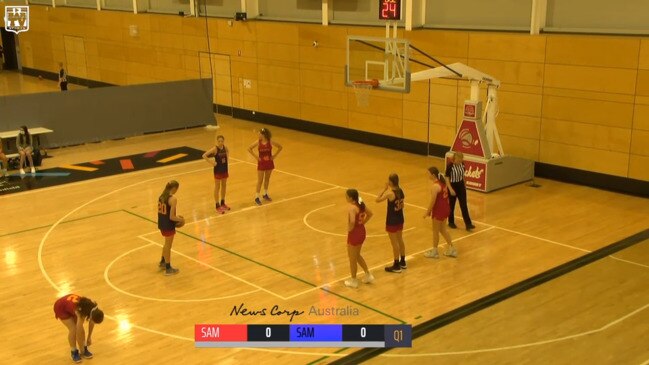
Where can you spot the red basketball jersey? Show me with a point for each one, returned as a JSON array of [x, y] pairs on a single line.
[[441, 209], [65, 307]]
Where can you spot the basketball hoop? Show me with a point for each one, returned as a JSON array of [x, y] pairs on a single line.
[[362, 90]]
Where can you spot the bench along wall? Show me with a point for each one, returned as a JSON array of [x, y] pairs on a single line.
[[92, 115]]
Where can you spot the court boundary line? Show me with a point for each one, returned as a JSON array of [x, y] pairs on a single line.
[[529, 344], [133, 325], [54, 225], [152, 243], [70, 221], [130, 173], [275, 270], [389, 262], [306, 223], [502, 295]]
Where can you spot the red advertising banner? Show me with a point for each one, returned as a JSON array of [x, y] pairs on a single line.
[[475, 175], [467, 140]]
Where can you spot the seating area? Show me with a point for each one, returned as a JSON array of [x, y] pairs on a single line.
[[9, 141]]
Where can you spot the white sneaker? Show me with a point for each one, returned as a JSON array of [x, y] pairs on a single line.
[[451, 252], [33, 170], [352, 283], [22, 172], [432, 254], [368, 279]]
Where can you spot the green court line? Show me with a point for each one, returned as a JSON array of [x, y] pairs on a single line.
[[273, 269], [70, 221], [326, 357]]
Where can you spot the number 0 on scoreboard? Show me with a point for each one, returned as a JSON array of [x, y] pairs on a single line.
[[390, 9]]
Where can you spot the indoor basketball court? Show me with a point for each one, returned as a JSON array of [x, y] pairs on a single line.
[[554, 270]]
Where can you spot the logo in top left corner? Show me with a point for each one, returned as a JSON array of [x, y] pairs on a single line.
[[17, 18]]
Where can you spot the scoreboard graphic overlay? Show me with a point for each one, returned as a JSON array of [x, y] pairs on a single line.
[[302, 335]]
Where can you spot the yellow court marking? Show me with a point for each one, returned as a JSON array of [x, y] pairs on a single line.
[[171, 158], [80, 168]]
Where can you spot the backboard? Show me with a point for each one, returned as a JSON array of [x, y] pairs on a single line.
[[376, 58]]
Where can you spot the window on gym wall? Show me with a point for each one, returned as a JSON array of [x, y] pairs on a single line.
[[80, 3], [479, 14], [291, 10], [166, 6], [361, 12], [39, 2], [218, 8], [598, 16], [126, 5]]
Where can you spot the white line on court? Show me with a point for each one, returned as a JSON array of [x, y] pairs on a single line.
[[246, 209], [145, 329], [531, 344], [136, 172], [214, 268], [306, 216], [629, 262], [386, 263], [57, 288], [116, 288]]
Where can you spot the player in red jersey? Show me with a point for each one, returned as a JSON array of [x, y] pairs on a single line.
[[394, 222], [168, 221], [357, 215], [439, 209], [220, 163], [265, 158], [73, 310]]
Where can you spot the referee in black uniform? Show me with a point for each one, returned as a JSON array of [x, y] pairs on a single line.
[[455, 174]]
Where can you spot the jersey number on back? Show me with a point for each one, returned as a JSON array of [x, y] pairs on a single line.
[[398, 205], [73, 298], [162, 208], [361, 218]]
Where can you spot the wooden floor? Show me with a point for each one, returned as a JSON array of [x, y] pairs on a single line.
[[14, 83], [99, 238]]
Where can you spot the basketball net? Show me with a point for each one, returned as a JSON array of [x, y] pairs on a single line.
[[362, 90]]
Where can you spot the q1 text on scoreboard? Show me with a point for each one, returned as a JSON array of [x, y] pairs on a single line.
[[302, 335]]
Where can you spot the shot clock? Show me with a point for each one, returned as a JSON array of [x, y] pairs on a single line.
[[390, 9]]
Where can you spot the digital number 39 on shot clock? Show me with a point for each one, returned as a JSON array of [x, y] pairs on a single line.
[[390, 9]]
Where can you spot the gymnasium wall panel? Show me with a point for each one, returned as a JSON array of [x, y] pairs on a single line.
[[111, 112], [296, 10], [221, 8], [597, 51], [584, 158], [601, 15], [478, 14]]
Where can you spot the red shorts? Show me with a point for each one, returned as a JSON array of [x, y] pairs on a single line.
[[265, 165], [60, 310], [221, 176], [440, 216], [168, 233], [357, 236], [394, 229]]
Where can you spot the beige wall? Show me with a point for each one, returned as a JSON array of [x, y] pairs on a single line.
[[570, 100]]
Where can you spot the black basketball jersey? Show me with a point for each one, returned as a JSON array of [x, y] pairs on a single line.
[[221, 159], [395, 209], [164, 213]]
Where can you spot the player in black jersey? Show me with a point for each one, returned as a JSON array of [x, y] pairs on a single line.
[[394, 222], [168, 221], [220, 163]]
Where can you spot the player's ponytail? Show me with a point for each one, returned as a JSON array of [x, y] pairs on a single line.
[[353, 195], [88, 309], [435, 172], [166, 193]]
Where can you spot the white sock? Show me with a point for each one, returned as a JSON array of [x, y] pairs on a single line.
[[257, 195], [265, 191], [73, 349]]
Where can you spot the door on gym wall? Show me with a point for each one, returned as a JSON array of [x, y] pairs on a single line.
[[217, 67], [9, 50]]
